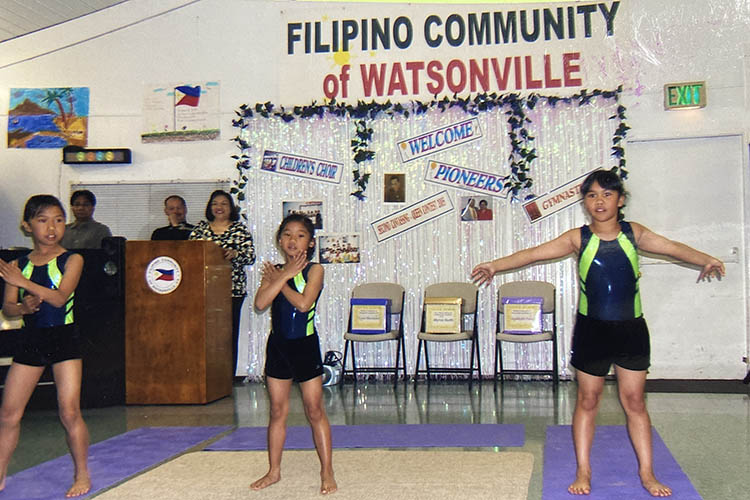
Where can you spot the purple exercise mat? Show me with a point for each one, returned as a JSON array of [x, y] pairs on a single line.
[[615, 468], [110, 461], [382, 436]]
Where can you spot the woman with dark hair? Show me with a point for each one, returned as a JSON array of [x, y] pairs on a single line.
[[223, 226]]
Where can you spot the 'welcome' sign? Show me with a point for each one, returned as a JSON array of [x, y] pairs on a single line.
[[439, 140]]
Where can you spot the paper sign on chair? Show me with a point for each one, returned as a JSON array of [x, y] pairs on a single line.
[[522, 315], [371, 316], [443, 314]]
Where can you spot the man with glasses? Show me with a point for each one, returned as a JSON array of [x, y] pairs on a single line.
[[84, 232]]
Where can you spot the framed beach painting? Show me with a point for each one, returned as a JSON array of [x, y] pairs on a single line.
[[48, 117]]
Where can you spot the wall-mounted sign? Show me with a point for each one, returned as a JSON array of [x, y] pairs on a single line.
[[688, 95], [303, 167], [553, 201], [73, 155], [412, 216], [439, 140]]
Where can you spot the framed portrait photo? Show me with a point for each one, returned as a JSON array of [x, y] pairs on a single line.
[[394, 188]]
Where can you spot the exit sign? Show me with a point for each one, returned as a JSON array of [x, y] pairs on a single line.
[[689, 95]]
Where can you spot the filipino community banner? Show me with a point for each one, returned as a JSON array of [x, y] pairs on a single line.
[[408, 52]]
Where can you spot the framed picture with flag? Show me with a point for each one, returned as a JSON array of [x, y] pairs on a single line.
[[183, 111]]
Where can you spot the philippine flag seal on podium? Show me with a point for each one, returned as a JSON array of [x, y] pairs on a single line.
[[163, 275]]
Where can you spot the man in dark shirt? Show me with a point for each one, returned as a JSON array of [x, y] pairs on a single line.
[[84, 231], [178, 229]]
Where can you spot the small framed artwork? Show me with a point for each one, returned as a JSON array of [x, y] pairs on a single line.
[[394, 188], [475, 208], [313, 210], [340, 248]]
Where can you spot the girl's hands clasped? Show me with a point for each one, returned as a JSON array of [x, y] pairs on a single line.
[[288, 271], [295, 265], [31, 303]]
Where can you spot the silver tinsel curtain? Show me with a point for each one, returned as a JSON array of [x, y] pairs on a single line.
[[570, 141]]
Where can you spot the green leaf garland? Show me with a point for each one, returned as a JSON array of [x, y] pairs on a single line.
[[515, 107]]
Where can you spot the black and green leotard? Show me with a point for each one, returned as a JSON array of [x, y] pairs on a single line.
[[609, 274], [49, 276], [288, 322]]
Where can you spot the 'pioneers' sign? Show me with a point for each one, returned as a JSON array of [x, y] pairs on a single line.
[[464, 178]]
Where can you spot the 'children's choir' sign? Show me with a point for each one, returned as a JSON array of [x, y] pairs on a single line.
[[302, 166], [412, 216]]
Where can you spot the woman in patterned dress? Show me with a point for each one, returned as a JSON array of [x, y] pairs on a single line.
[[223, 226]]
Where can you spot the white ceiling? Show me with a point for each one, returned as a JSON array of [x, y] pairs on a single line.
[[19, 17]]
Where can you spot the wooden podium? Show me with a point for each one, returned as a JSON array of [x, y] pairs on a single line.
[[177, 339]]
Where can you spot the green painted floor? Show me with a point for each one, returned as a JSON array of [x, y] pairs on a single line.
[[708, 434]]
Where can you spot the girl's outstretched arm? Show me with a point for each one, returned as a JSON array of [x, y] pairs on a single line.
[[656, 243], [567, 243], [12, 275]]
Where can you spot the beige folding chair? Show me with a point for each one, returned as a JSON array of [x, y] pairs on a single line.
[[396, 294], [468, 293], [527, 289]]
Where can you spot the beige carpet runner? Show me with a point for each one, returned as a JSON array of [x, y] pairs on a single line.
[[361, 475]]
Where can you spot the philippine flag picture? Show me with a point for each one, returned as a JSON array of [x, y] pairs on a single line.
[[165, 275], [185, 95]]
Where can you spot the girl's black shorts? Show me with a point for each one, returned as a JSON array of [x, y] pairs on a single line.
[[47, 346], [599, 343], [296, 359]]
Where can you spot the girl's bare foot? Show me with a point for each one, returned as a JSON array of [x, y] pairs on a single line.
[[266, 481], [81, 486], [582, 484], [655, 488], [2, 483], [327, 484]]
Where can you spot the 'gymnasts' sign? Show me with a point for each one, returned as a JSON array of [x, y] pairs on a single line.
[[412, 216], [553, 201], [302, 166]]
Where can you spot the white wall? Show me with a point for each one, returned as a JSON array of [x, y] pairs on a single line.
[[236, 42]]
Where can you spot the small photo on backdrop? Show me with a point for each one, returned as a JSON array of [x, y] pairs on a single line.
[[394, 188], [338, 248], [475, 208], [313, 210]]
